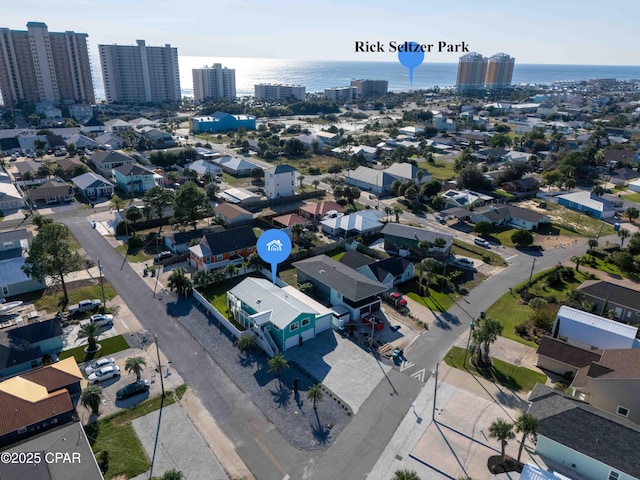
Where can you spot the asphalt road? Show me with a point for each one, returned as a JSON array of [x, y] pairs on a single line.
[[265, 451]]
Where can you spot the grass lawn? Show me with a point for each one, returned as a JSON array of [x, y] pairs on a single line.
[[53, 301], [109, 345], [217, 294], [474, 251], [511, 313], [436, 302], [140, 256], [502, 373], [614, 270], [632, 197], [440, 170], [577, 222], [338, 256], [290, 276], [116, 435]]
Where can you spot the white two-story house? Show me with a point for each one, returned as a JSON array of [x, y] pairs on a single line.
[[280, 181]]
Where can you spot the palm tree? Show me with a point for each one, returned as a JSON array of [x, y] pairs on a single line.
[[172, 474], [247, 342], [577, 259], [315, 184], [526, 424], [592, 243], [428, 265], [230, 270], [300, 179], [277, 363], [623, 233], [116, 202], [92, 331], [439, 243], [135, 365], [254, 260], [203, 278], [315, 394], [218, 275], [92, 398], [503, 432], [296, 230], [179, 282], [484, 335], [397, 211], [388, 211], [405, 475], [632, 213]]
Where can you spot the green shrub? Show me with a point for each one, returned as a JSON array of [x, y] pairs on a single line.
[[121, 229], [135, 243]]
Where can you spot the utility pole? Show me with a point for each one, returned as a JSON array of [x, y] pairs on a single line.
[[159, 366], [471, 327], [435, 391], [155, 444], [526, 295], [104, 300]]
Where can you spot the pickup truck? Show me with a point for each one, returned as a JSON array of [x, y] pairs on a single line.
[[84, 306]]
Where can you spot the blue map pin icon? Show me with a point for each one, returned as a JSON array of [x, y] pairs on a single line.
[[274, 247], [411, 56]]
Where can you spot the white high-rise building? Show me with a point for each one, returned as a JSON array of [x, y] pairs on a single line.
[[140, 74], [272, 91], [341, 94], [214, 83], [41, 66]]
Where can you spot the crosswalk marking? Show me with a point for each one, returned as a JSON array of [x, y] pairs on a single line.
[[405, 365], [419, 375]]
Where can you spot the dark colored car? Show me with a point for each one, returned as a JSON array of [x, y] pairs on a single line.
[[132, 389]]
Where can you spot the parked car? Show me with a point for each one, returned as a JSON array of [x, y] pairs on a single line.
[[464, 263], [102, 319], [104, 373], [84, 306], [98, 364], [162, 256], [132, 389], [482, 242]]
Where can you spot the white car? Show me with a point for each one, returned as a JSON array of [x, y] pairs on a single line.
[[464, 263], [98, 364], [482, 242], [102, 319], [104, 373]]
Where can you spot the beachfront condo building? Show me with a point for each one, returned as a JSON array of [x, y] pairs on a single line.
[[140, 74], [214, 83], [366, 88], [41, 66], [341, 94], [499, 71], [273, 91], [472, 72]]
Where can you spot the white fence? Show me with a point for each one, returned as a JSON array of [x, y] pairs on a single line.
[[216, 314]]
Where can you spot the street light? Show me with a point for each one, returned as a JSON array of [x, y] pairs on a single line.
[[471, 327], [435, 391]]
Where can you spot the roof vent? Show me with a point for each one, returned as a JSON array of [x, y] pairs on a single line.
[[321, 272]]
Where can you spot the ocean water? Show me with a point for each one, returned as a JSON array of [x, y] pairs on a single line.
[[318, 75]]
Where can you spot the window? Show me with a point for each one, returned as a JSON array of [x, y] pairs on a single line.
[[306, 322], [294, 326], [219, 257], [5, 290], [613, 475], [622, 411]]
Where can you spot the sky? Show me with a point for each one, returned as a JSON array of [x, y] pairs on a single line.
[[542, 31]]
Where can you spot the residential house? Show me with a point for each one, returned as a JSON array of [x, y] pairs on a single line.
[[110, 141], [369, 153], [287, 315], [220, 122], [179, 242], [233, 215], [588, 203], [25, 166], [93, 125], [590, 331], [563, 358], [159, 138], [221, 248], [621, 176], [490, 154], [338, 284], [389, 272], [69, 164], [117, 125], [81, 141], [106, 161], [524, 185], [328, 138], [93, 186], [14, 245], [204, 167], [23, 347], [612, 382], [51, 192], [408, 171], [411, 131], [38, 401], [50, 444], [134, 178], [634, 186], [606, 296], [365, 223], [515, 156], [9, 146], [355, 259], [240, 196], [316, 211], [586, 441], [403, 240], [465, 198], [442, 123], [236, 166], [370, 179], [10, 197], [142, 122], [291, 219], [509, 215], [280, 181], [618, 155]]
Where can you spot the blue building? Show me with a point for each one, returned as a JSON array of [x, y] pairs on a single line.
[[590, 204], [221, 122]]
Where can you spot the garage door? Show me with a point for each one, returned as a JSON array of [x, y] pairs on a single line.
[[308, 334], [291, 342], [323, 323]]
